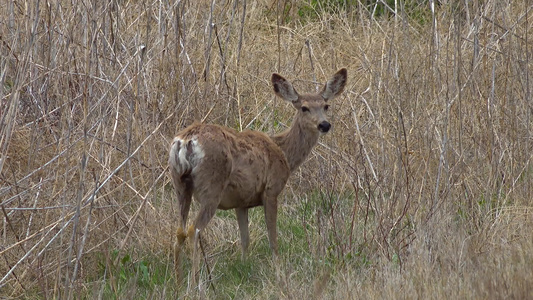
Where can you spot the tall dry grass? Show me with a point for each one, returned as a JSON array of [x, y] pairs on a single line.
[[424, 184]]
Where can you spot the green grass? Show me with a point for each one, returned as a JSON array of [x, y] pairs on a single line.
[[138, 275]]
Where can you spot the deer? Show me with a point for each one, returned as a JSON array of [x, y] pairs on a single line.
[[226, 169]]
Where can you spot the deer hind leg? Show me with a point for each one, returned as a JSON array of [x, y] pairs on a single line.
[[209, 197], [242, 219], [183, 188]]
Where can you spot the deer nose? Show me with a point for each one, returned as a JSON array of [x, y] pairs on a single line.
[[324, 126]]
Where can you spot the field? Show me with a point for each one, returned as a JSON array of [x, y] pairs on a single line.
[[422, 189]]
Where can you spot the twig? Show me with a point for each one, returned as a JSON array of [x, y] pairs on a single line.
[[279, 36], [128, 158], [317, 85], [23, 258], [363, 143], [84, 237], [210, 27], [222, 60], [133, 219], [239, 48]]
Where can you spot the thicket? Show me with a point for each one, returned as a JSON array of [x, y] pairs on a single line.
[[422, 189]]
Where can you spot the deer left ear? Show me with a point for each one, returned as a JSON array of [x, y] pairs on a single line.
[[284, 89], [335, 85]]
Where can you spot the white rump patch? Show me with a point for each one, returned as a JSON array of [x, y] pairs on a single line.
[[182, 155], [185, 154], [197, 153]]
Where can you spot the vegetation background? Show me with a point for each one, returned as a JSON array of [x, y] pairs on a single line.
[[422, 191]]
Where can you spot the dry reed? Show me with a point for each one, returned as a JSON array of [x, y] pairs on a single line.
[[424, 183]]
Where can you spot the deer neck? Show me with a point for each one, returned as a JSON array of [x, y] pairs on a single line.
[[296, 142]]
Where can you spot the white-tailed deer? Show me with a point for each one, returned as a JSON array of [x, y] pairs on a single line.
[[226, 169]]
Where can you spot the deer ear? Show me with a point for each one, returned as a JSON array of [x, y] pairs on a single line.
[[335, 85], [284, 89]]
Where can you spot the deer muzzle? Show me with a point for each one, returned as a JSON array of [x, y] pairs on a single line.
[[324, 126]]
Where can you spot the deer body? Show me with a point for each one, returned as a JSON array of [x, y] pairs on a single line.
[[226, 169], [247, 163]]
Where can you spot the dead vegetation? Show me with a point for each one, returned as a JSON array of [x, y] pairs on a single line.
[[421, 190]]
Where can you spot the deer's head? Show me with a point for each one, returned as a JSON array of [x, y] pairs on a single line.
[[312, 108]]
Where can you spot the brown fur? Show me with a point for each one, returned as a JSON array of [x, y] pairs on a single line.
[[226, 169]]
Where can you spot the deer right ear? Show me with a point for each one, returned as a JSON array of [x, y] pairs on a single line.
[[335, 85], [284, 89]]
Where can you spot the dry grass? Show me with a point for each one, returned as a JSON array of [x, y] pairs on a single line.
[[422, 190]]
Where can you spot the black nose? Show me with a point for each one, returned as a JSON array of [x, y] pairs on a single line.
[[324, 126]]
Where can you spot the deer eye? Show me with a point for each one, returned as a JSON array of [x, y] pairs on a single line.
[[326, 107], [305, 109]]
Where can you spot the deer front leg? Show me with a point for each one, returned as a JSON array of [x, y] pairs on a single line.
[[271, 214], [242, 219]]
